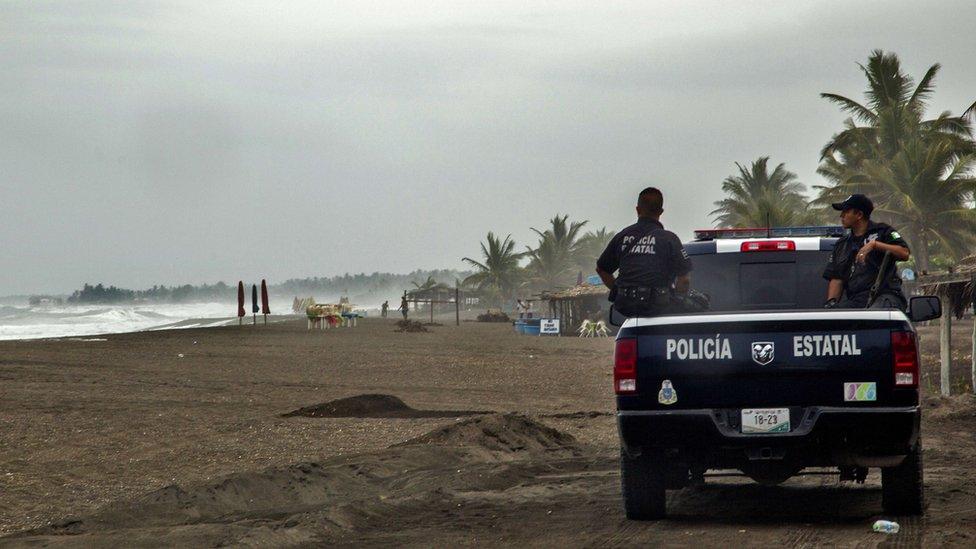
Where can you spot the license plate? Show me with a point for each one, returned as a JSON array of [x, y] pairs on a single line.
[[766, 420]]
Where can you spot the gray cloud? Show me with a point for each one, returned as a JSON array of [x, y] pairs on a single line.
[[167, 142]]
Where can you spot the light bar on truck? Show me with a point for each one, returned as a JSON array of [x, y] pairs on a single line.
[[771, 232]]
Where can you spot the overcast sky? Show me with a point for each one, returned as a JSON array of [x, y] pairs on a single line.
[[167, 142]]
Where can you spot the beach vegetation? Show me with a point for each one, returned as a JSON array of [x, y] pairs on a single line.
[[561, 254], [428, 285], [556, 259], [917, 170], [757, 197], [497, 275], [360, 288], [589, 248]]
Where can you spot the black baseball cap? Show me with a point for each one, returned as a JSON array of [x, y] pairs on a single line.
[[857, 202]]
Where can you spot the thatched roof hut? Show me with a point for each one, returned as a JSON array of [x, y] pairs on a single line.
[[576, 292], [438, 292], [574, 305], [956, 288]]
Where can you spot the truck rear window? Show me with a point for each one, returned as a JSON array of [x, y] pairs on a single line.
[[767, 285], [761, 280]]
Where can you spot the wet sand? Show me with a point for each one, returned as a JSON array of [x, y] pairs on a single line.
[[126, 442]]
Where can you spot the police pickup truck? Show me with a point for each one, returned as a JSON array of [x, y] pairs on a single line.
[[768, 381]]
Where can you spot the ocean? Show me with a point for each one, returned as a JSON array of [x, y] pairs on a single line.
[[27, 322]]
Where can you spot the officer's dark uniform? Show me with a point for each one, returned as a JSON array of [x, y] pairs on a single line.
[[859, 277], [649, 259]]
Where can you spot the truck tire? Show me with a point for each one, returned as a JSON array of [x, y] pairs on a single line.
[[642, 483], [902, 492]]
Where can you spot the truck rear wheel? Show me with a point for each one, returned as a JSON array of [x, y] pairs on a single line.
[[902, 492], [642, 482]]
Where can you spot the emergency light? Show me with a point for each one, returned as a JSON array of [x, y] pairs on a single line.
[[770, 232]]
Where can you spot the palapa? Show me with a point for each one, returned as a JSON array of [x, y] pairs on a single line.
[[584, 290], [955, 287]]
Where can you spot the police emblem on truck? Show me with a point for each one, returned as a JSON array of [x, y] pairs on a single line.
[[762, 352]]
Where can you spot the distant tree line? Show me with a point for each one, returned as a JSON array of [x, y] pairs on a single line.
[[99, 293], [367, 289]]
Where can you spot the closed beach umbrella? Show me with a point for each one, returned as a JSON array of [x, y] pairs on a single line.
[[240, 298], [254, 298], [265, 309]]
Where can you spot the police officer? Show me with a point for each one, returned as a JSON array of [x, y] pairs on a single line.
[[858, 256], [653, 265]]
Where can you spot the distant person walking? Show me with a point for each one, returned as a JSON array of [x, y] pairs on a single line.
[[386, 308], [404, 306]]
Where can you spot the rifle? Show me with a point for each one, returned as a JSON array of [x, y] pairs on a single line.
[[876, 287]]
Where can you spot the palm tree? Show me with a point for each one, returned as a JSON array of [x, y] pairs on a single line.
[[758, 198], [590, 246], [553, 261], [426, 285], [498, 274], [894, 112], [926, 193], [550, 266], [917, 171]]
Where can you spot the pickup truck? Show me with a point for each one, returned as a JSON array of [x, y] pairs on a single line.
[[768, 382]]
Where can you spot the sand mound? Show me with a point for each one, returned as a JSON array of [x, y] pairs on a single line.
[[375, 406], [232, 498], [508, 433], [412, 326], [342, 498]]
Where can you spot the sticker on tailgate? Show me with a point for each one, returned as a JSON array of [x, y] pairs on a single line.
[[861, 392]]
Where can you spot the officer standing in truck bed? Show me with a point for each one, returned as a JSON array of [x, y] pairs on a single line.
[[654, 269]]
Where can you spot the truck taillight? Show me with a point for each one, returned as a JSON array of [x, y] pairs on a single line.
[[625, 366], [904, 359], [768, 246]]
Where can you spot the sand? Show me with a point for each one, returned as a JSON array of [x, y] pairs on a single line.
[[276, 436]]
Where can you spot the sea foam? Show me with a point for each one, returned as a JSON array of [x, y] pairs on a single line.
[[27, 322]]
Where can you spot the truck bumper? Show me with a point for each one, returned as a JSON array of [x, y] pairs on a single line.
[[823, 436]]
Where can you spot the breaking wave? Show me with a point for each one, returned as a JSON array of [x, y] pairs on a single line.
[[27, 322]]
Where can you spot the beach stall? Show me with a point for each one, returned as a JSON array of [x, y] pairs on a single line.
[[332, 315], [572, 306]]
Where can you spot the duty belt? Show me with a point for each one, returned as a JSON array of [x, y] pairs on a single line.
[[645, 295]]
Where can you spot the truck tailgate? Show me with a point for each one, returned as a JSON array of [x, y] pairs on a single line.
[[766, 360]]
